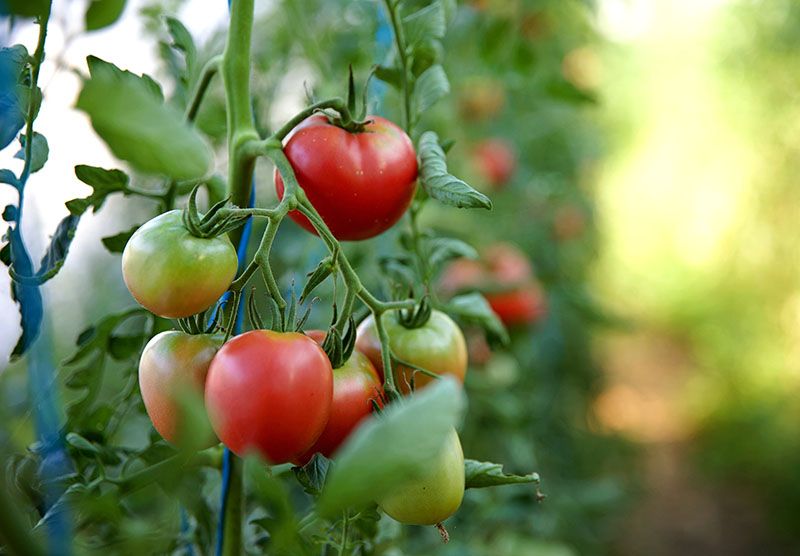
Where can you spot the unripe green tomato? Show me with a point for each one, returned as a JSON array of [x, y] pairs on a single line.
[[434, 496], [172, 379], [174, 274], [437, 346]]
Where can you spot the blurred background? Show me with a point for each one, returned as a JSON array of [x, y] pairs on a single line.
[[642, 157]]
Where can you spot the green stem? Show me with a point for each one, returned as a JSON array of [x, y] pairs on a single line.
[[345, 526], [402, 54], [38, 56], [234, 510], [206, 75], [334, 103]]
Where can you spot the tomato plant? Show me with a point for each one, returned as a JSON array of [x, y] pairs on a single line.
[[173, 273], [361, 182], [437, 346], [356, 386], [270, 393], [172, 374]]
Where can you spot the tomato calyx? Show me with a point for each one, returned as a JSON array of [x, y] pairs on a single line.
[[199, 324], [339, 346], [345, 119], [214, 223], [418, 316]]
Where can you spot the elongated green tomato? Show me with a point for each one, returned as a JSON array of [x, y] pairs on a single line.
[[355, 386], [174, 274], [436, 494], [270, 393], [437, 346], [172, 378]]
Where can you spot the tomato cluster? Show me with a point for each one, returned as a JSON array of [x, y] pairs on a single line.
[[505, 277], [276, 393]]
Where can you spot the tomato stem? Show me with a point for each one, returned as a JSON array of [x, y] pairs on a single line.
[[208, 73]]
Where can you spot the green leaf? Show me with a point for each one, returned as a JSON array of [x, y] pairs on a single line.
[[102, 13], [140, 128], [39, 151], [313, 474], [103, 183], [117, 242], [77, 441], [182, 40], [473, 308], [25, 8], [431, 86], [427, 23], [7, 176], [482, 474], [563, 90], [56, 253], [391, 75], [442, 249], [439, 184], [390, 448]]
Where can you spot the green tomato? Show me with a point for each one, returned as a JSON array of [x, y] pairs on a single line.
[[174, 274], [433, 496], [438, 346]]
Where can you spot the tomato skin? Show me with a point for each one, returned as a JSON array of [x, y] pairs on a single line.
[[355, 385], [172, 273], [495, 161], [438, 346], [360, 183], [434, 496], [174, 364], [269, 392]]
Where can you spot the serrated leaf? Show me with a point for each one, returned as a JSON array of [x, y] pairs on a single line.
[[117, 242], [427, 23], [387, 449], [482, 474], [102, 13], [103, 183], [439, 184], [473, 308], [431, 86], [313, 474], [39, 151], [140, 128]]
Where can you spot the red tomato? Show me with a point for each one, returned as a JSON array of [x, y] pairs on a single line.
[[360, 183], [270, 392], [175, 364], [355, 385], [506, 279], [495, 161]]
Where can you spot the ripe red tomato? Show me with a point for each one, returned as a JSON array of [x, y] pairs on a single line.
[[435, 495], [437, 346], [495, 161], [269, 392], [173, 367], [360, 183], [506, 279], [174, 274], [355, 385]]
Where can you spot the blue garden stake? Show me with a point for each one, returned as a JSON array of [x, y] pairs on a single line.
[[383, 42]]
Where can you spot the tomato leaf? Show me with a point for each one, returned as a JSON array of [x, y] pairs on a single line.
[[39, 151], [138, 127], [389, 449], [482, 474], [427, 23], [183, 43], [103, 183], [117, 242], [431, 86], [473, 308], [12, 116], [391, 75], [312, 475], [102, 13], [441, 185], [442, 249], [56, 253]]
